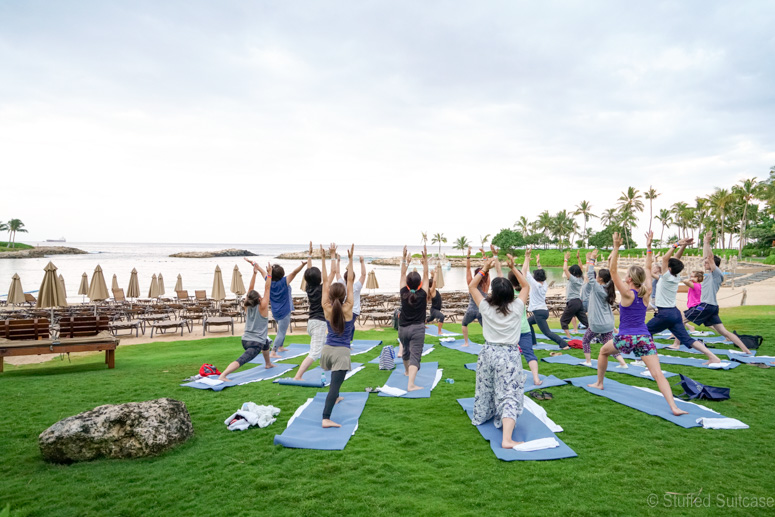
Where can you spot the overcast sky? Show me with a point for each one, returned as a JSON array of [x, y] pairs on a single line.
[[271, 122]]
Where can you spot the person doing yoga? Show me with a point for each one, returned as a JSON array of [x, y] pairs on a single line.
[[411, 322], [500, 379], [282, 304], [316, 322], [707, 311], [633, 334], [601, 318], [255, 338], [338, 310], [574, 307], [693, 294], [435, 314], [537, 304], [668, 316], [472, 312]]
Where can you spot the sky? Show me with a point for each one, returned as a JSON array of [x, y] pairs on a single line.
[[370, 122]]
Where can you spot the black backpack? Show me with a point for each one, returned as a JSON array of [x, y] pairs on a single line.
[[752, 342]]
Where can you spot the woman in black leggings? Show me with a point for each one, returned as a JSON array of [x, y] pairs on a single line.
[[537, 305]]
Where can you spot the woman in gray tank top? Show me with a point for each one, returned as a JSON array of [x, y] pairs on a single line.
[[255, 339]]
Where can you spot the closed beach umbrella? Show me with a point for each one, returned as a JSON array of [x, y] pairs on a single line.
[[438, 278], [83, 289], [15, 292], [133, 291], [179, 283], [219, 291], [114, 285], [161, 285], [371, 280], [51, 294], [153, 292], [237, 285], [62, 286], [98, 290]]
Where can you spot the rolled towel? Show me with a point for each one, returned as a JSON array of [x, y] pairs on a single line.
[[721, 423], [393, 392], [718, 365], [537, 445]]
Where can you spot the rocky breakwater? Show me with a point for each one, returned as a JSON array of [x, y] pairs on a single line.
[[302, 255], [42, 251], [231, 252], [130, 430], [453, 262]]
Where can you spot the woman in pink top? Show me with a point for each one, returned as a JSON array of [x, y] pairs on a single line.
[[694, 283]]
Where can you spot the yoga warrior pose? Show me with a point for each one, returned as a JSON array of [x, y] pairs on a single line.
[[500, 379], [411, 323], [282, 304], [574, 307], [668, 316], [316, 323], [694, 284], [435, 313], [338, 310], [472, 312], [601, 317], [357, 286], [633, 335], [537, 305], [706, 313], [255, 337]]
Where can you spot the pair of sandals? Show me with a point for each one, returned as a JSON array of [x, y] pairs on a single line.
[[541, 395], [371, 390]]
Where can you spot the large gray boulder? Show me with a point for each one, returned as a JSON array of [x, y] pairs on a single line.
[[131, 430]]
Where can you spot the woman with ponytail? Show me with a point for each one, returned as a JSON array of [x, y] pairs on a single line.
[[602, 296], [411, 323], [500, 379], [338, 310], [633, 334], [255, 339]]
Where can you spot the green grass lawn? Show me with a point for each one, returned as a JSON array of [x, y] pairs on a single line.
[[414, 457], [5, 246]]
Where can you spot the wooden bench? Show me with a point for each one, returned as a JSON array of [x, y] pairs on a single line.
[[31, 337]]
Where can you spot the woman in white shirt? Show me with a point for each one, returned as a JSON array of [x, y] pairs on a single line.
[[538, 308], [500, 379]]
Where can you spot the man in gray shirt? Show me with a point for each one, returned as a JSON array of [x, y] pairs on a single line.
[[707, 312], [573, 304]]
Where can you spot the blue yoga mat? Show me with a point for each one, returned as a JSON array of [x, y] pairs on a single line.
[[528, 427], [433, 330], [425, 378], [704, 339], [360, 346], [472, 348], [687, 361], [259, 373], [753, 360], [426, 349], [305, 431], [647, 402], [546, 346], [548, 382], [294, 350], [729, 352], [635, 371], [314, 378]]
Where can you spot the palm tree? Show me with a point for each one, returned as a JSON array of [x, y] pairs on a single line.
[[651, 194], [563, 227], [609, 217], [584, 208], [4, 228], [544, 224], [629, 203], [424, 238], [523, 225], [701, 209], [746, 192], [665, 219], [15, 225], [461, 243], [679, 211], [484, 239], [439, 238], [719, 200]]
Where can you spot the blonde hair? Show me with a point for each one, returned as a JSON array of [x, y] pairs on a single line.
[[638, 276]]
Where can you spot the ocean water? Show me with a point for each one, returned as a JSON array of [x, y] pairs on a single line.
[[153, 258]]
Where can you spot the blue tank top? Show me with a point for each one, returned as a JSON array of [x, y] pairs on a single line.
[[280, 298], [343, 339], [632, 319]]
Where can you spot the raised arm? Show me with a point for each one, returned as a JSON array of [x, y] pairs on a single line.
[[323, 272], [707, 252], [683, 243], [565, 271], [362, 279], [425, 270], [402, 280], [309, 256], [649, 262], [620, 284], [348, 303], [523, 283], [498, 270], [256, 269], [526, 265], [289, 278], [473, 286], [263, 307], [468, 266], [432, 289]]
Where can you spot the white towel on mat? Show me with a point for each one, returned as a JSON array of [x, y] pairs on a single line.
[[537, 445], [721, 423]]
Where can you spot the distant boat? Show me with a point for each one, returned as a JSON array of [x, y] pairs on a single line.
[[61, 239]]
